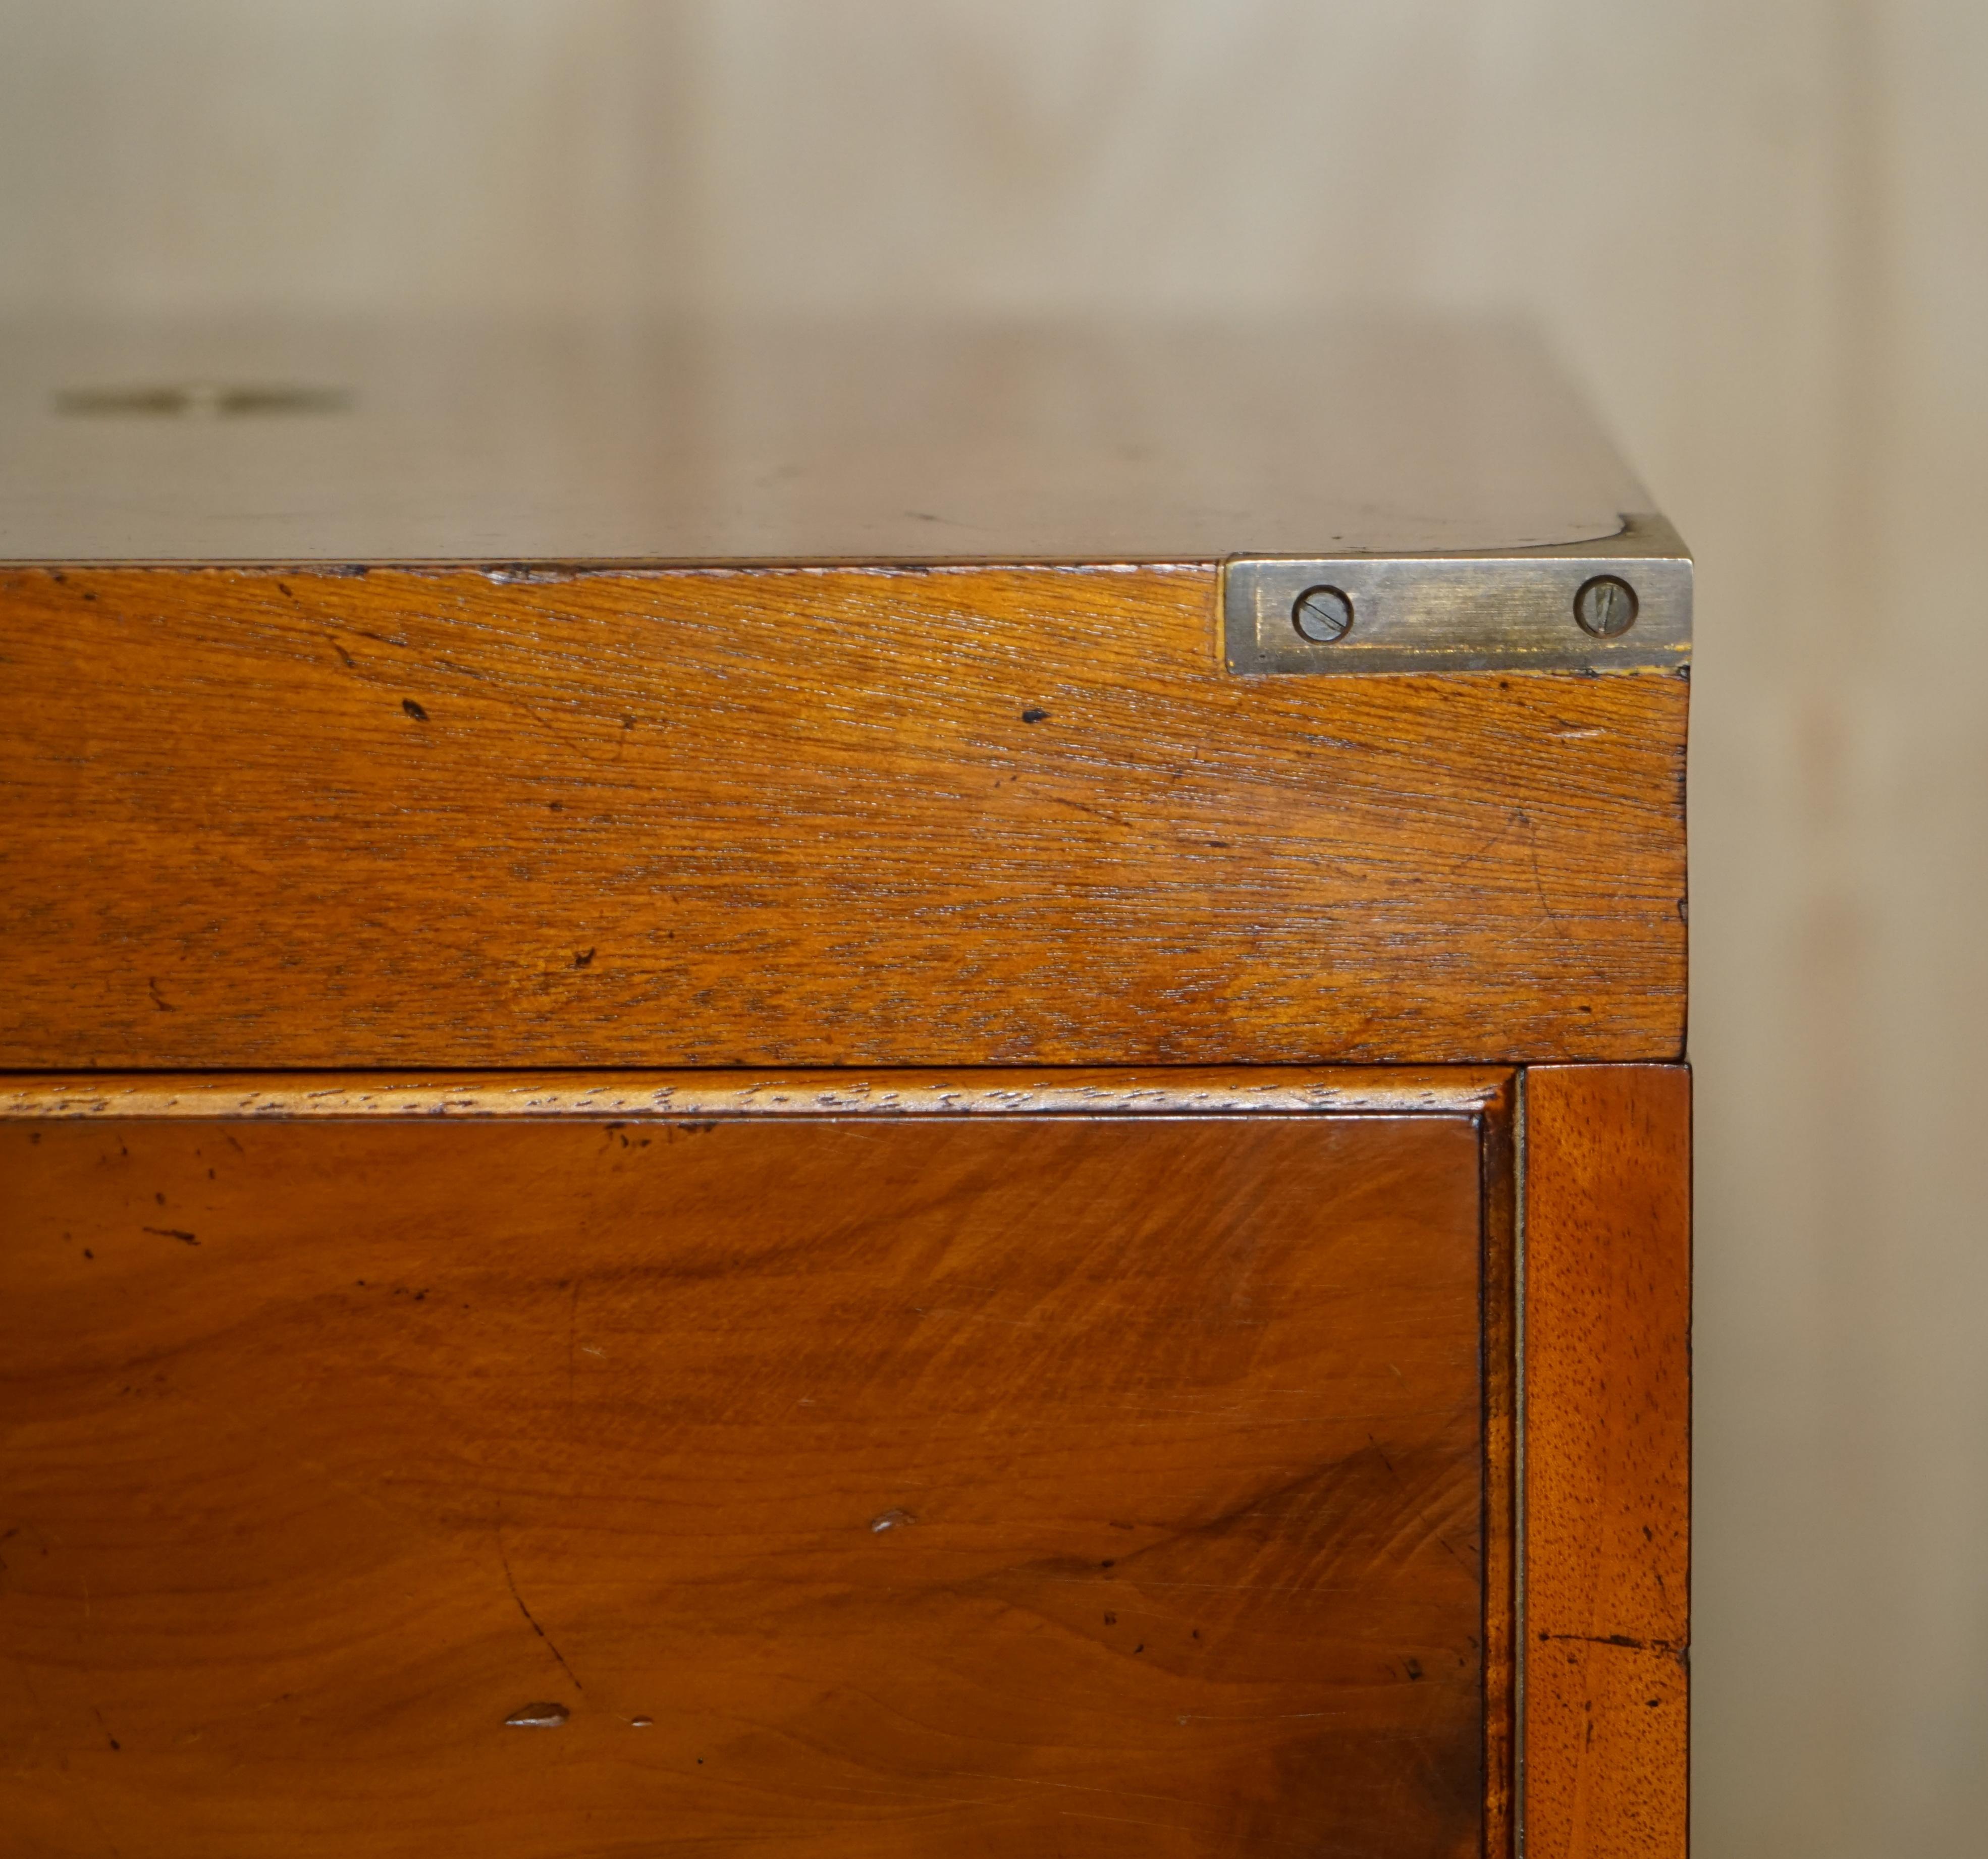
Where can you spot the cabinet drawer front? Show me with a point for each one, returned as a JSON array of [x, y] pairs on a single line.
[[802, 817], [994, 1476]]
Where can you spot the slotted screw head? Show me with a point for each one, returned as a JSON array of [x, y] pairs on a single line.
[[1322, 614], [1605, 607]]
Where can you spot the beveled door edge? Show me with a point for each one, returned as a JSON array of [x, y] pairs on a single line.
[[1501, 1133], [1464, 1090]]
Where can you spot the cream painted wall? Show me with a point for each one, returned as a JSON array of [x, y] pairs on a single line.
[[1758, 227]]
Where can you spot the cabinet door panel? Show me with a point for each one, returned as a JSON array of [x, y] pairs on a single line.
[[1097, 1484]]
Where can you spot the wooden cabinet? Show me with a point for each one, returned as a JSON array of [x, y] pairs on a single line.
[[667, 1185]]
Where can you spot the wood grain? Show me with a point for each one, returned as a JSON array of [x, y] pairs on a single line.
[[1607, 1464], [464, 818], [1001, 1484]]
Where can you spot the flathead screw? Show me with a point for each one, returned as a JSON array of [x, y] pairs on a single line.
[[1605, 607], [1322, 614]]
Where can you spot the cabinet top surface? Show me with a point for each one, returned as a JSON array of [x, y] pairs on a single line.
[[704, 443]]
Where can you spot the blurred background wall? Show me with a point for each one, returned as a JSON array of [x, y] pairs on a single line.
[[1758, 229]]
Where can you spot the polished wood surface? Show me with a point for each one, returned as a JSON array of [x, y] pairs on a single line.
[[823, 1484], [1607, 1461], [1025, 443], [465, 818]]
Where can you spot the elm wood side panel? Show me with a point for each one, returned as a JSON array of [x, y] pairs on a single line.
[[1608, 1420], [809, 817], [1015, 1485]]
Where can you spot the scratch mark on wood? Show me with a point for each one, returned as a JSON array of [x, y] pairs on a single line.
[[511, 1581], [1618, 1639]]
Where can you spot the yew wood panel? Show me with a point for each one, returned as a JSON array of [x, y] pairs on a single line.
[[1607, 1461], [946, 816], [870, 1484]]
